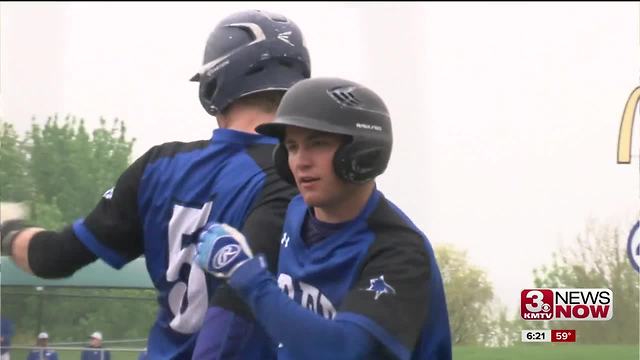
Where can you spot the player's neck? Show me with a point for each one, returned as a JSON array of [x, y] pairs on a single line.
[[347, 208], [244, 119]]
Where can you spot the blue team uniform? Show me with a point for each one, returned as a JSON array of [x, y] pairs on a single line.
[[42, 354], [7, 331], [161, 202], [377, 272], [91, 353]]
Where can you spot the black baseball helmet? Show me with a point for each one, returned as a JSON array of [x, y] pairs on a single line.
[[249, 52], [336, 106]]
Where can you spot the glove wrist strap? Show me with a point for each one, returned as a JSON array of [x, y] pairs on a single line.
[[7, 242]]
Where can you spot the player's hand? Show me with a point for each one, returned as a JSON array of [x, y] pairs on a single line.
[[8, 231], [221, 249]]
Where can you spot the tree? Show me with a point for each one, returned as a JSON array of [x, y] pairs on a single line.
[[14, 177], [598, 259], [61, 169], [505, 330], [70, 168], [71, 314], [469, 294]]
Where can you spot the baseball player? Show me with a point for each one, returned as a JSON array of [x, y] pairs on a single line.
[[95, 351], [356, 278], [162, 201], [7, 331], [43, 351]]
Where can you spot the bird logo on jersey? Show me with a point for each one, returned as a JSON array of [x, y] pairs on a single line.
[[379, 286]]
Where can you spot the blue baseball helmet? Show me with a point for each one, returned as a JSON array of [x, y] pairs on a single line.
[[249, 52]]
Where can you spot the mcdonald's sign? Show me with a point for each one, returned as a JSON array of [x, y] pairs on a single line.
[[624, 157], [626, 127]]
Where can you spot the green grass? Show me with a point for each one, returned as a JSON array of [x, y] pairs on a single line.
[[543, 351], [520, 352], [75, 355]]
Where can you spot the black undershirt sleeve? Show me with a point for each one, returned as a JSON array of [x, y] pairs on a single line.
[[263, 230], [57, 254]]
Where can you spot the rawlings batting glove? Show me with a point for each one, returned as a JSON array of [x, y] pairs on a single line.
[[221, 250]]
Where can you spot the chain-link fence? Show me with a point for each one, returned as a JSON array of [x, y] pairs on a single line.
[[70, 315]]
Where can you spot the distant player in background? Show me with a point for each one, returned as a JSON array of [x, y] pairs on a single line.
[[366, 272], [95, 351], [7, 330], [42, 350], [162, 201]]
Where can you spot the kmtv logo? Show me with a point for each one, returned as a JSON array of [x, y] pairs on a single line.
[[566, 304]]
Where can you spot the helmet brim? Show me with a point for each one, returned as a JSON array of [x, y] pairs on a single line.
[[278, 127]]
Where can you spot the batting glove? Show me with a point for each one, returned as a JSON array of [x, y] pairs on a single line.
[[8, 232], [221, 249]]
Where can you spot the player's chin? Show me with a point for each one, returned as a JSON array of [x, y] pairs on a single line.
[[312, 198]]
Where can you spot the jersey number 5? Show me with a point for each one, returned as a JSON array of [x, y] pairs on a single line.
[[188, 312]]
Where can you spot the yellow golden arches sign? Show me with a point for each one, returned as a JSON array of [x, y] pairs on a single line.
[[626, 127]]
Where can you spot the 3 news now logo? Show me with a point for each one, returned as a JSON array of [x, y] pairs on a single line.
[[566, 304]]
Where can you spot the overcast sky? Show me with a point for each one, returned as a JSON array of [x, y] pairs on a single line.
[[505, 116]]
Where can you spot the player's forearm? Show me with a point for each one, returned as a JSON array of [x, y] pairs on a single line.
[[304, 333], [49, 254], [20, 248]]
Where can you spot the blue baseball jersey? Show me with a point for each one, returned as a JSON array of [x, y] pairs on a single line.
[[160, 203], [91, 353], [7, 331], [378, 271], [42, 354]]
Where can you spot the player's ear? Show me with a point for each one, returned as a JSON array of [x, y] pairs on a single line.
[[281, 162]]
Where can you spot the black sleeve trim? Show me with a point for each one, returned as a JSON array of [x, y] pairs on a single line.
[[263, 226], [393, 286], [115, 221]]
